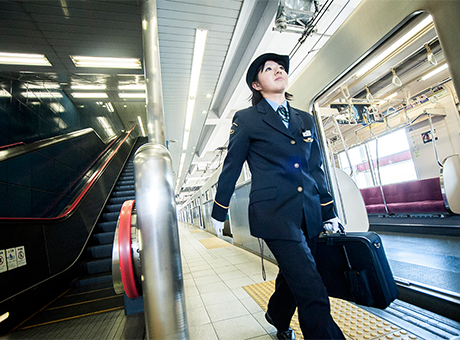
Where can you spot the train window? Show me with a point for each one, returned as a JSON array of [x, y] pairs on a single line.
[[402, 95], [395, 161]]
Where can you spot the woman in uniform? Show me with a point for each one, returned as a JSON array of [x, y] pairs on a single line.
[[289, 201]]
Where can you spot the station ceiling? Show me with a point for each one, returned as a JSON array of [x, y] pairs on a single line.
[[238, 30]]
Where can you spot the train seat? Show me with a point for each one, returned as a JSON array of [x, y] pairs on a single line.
[[422, 196]]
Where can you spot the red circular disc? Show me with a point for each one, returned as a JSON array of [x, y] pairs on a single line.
[[124, 250]]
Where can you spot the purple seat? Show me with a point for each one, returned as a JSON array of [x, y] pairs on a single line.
[[423, 196]]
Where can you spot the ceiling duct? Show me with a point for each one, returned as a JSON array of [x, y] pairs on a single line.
[[294, 15]]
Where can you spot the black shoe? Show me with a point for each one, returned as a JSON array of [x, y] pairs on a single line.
[[287, 334]]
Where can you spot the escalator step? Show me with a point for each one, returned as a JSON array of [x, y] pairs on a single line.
[[93, 279], [125, 183], [116, 200], [123, 193], [113, 207], [100, 251], [104, 238], [98, 266], [111, 216], [123, 187], [107, 226]]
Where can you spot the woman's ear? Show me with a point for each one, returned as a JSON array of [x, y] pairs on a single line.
[[256, 86]]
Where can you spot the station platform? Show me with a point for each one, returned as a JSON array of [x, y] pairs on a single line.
[[226, 298]]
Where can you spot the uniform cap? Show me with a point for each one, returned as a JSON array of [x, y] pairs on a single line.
[[281, 59]]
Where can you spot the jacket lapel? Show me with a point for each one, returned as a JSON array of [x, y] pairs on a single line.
[[295, 121], [272, 118]]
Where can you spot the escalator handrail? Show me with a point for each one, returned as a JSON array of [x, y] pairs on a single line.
[[20, 150], [70, 209], [11, 145]]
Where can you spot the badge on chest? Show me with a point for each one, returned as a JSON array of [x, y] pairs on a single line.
[[306, 134]]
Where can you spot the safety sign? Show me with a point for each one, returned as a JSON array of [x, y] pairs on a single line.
[[11, 258], [2, 261], [21, 254]]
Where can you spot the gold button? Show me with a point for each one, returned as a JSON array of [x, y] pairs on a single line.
[[296, 165], [299, 189], [292, 142]]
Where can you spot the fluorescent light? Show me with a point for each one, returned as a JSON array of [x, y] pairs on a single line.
[[109, 107], [89, 95], [105, 124], [132, 95], [24, 59], [81, 61], [132, 87], [56, 107], [43, 86], [186, 138], [4, 316], [89, 87], [198, 53], [409, 35], [4, 93], [141, 125], [29, 94], [391, 96], [435, 71]]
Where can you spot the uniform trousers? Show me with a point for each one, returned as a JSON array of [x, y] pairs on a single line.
[[299, 284]]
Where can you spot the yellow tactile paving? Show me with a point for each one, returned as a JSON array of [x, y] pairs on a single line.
[[196, 231], [355, 322], [211, 243]]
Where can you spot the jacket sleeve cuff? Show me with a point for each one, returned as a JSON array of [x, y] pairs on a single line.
[[219, 212], [327, 210]]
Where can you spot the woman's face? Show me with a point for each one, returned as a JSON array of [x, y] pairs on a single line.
[[272, 78]]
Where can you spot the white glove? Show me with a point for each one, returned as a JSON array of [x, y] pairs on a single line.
[[332, 225], [218, 226]]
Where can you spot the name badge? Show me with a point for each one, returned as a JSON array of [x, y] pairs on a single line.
[[306, 133]]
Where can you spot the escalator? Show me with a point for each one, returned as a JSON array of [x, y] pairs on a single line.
[[92, 292]]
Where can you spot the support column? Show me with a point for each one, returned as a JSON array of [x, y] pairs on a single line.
[[152, 73]]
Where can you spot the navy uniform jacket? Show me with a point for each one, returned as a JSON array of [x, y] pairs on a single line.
[[287, 178]]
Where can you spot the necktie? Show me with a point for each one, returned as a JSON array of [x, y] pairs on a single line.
[[284, 113]]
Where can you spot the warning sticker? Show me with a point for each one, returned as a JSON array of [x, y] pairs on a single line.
[[2, 261], [11, 259], [21, 254]]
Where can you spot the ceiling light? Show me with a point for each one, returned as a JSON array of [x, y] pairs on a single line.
[[132, 95], [89, 95], [4, 93], [109, 107], [141, 125], [409, 35], [29, 94], [89, 87], [198, 53], [56, 107], [435, 71], [43, 86], [132, 87], [80, 61], [24, 59]]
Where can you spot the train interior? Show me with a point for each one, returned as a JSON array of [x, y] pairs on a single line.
[[390, 129]]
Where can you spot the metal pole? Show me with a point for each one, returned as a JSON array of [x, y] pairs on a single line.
[[152, 72], [162, 280]]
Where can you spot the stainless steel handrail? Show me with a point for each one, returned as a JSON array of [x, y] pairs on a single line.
[[162, 281]]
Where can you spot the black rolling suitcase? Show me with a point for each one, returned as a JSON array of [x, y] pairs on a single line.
[[354, 267]]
